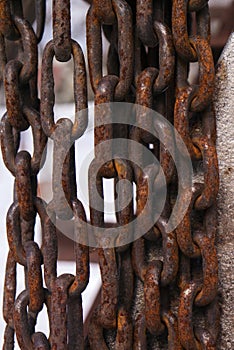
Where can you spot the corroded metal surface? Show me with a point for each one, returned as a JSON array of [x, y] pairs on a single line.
[[152, 44]]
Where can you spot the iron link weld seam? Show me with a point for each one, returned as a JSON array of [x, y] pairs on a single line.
[[152, 44]]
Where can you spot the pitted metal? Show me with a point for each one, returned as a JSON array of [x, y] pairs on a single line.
[[152, 44]]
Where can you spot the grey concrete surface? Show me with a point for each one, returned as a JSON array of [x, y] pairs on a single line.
[[224, 105]]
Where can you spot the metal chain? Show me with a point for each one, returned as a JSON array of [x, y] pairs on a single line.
[[152, 44]]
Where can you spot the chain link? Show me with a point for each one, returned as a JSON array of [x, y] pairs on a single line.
[[152, 46]]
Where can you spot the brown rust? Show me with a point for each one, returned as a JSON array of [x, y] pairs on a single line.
[[124, 331], [75, 323], [125, 48], [14, 234], [104, 11], [185, 324], [23, 185], [9, 290], [35, 284], [206, 242], [13, 95], [58, 314], [125, 214], [40, 342], [144, 22], [211, 174], [170, 252], [152, 298], [7, 27], [184, 231], [172, 326], [148, 67], [96, 339], [81, 250], [196, 5], [180, 31], [21, 321], [181, 120], [205, 91], [166, 57], [30, 55], [47, 90], [110, 287], [62, 30]]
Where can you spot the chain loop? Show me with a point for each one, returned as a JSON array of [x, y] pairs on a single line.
[[144, 22], [125, 48], [47, 91], [7, 26], [62, 30], [104, 11]]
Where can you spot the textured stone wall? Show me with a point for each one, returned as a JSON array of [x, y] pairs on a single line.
[[224, 105]]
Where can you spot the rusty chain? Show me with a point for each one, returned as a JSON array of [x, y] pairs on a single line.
[[152, 46]]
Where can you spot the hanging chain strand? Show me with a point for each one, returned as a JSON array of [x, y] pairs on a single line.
[[146, 298]]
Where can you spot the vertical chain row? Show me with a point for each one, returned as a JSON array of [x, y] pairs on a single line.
[[23, 112], [195, 120], [60, 294]]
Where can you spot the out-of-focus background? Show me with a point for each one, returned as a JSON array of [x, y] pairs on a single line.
[[222, 13]]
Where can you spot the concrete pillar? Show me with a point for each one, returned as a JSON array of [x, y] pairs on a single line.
[[224, 105]]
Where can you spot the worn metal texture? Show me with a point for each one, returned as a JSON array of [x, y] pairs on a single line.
[[160, 283]]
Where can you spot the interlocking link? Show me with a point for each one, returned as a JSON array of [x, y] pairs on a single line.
[[154, 279], [104, 11], [180, 31], [7, 26], [47, 91], [40, 11], [125, 47], [144, 22], [62, 30]]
